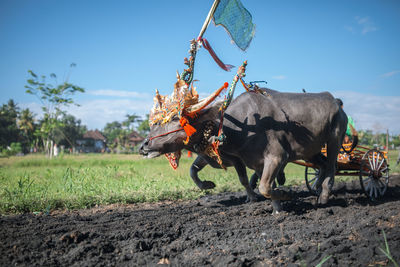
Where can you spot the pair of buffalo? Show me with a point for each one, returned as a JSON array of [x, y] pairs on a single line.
[[263, 131]]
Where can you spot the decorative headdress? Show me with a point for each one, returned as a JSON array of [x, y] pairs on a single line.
[[183, 102], [166, 107]]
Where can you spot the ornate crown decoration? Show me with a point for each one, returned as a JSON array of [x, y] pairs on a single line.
[[166, 107]]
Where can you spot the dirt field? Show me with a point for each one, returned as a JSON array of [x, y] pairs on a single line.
[[219, 230]]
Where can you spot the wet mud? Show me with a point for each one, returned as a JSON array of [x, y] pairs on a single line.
[[216, 230]]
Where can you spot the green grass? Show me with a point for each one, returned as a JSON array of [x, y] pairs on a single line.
[[34, 183], [386, 250], [392, 162]]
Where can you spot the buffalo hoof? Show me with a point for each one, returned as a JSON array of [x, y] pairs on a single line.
[[323, 199], [205, 185], [276, 207], [324, 196], [254, 198]]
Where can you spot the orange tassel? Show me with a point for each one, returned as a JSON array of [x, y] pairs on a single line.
[[189, 129]]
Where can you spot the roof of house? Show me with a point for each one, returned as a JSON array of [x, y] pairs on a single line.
[[96, 135], [135, 137]]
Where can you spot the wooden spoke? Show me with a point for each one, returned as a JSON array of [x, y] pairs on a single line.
[[374, 174], [312, 177]]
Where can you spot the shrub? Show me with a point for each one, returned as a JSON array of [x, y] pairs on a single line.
[[12, 150]]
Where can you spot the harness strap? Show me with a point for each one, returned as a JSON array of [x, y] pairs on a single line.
[[167, 133], [189, 129]]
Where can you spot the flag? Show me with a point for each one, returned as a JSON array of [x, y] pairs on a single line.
[[236, 20]]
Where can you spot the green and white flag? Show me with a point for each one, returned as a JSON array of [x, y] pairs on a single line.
[[237, 21]]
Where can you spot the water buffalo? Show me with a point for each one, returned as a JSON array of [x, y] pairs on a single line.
[[264, 132]]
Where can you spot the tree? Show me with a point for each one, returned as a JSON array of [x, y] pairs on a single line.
[[69, 130], [366, 137], [118, 133], [144, 127], [112, 131], [130, 121], [53, 99], [9, 132], [27, 127], [396, 140]]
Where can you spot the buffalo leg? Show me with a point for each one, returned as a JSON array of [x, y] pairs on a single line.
[[272, 166], [327, 184], [321, 162], [281, 178], [197, 166], [253, 180], [244, 180]]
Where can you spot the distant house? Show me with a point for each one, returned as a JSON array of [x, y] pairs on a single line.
[[129, 143], [92, 141], [134, 139]]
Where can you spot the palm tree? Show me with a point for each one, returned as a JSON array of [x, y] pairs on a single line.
[[12, 108], [130, 120], [9, 132], [144, 127], [26, 124]]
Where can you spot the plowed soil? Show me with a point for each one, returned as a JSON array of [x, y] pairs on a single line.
[[216, 230]]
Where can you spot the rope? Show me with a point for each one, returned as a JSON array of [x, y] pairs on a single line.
[[167, 133]]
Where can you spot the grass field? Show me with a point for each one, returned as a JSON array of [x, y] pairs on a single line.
[[36, 184]]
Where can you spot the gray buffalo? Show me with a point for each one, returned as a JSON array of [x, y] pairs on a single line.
[[264, 132]]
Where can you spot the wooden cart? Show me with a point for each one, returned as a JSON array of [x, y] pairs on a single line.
[[369, 164]]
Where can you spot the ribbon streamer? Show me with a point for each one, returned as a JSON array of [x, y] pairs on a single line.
[[206, 45]]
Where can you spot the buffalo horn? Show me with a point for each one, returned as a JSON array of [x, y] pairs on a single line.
[[204, 102]]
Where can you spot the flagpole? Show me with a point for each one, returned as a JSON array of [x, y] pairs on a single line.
[[208, 19], [187, 74]]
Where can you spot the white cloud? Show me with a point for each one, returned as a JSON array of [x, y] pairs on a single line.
[[389, 74], [279, 77], [366, 24], [369, 110], [117, 93], [96, 113]]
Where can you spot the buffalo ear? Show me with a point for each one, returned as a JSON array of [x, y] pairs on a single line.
[[209, 113]]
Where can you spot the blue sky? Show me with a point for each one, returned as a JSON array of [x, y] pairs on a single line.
[[124, 50]]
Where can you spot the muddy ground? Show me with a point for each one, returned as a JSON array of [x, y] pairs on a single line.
[[216, 230]]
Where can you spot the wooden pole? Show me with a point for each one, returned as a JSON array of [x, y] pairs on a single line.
[[208, 19], [387, 140]]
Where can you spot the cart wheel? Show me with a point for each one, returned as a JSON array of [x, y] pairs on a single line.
[[374, 174], [312, 176]]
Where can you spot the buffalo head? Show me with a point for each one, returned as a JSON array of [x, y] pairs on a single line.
[[174, 119], [163, 138]]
